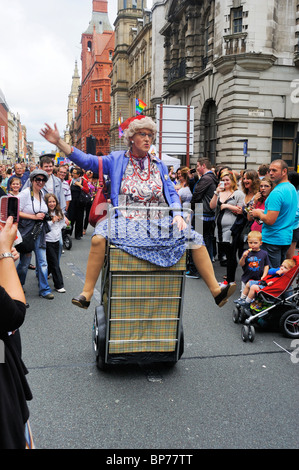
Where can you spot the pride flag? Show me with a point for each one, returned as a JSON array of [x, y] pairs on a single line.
[[140, 105], [120, 131]]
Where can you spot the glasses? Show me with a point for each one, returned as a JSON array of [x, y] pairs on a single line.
[[144, 135], [38, 180]]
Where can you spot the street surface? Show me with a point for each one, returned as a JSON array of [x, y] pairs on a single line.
[[222, 394]]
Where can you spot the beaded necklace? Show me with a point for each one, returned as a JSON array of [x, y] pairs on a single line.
[[135, 168]]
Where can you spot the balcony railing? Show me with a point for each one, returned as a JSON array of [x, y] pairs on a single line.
[[177, 72], [235, 44]]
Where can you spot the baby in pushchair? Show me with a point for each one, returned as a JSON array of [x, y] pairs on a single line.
[[272, 302], [249, 295]]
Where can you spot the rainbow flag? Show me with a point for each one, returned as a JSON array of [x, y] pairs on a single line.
[[3, 145], [140, 105], [120, 131]]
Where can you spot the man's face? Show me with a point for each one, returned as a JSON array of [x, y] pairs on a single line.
[[61, 173], [277, 173], [48, 167], [19, 170]]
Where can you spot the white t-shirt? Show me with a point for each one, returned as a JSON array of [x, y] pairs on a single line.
[[31, 207]]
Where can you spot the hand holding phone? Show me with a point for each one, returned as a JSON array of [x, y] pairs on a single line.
[[9, 206]]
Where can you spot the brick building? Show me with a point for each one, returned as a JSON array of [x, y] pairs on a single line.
[[93, 115]]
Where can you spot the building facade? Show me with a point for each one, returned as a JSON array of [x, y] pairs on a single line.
[[131, 74], [93, 116], [69, 134], [236, 62]]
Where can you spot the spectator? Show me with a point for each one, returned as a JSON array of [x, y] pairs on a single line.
[[266, 186], [184, 192], [15, 186], [15, 391], [228, 202], [62, 175], [19, 172], [279, 215], [202, 194], [76, 208], [33, 208], [294, 179], [263, 170], [250, 184]]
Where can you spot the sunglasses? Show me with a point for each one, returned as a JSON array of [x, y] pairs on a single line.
[[38, 180]]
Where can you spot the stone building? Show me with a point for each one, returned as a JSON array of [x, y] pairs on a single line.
[[131, 74], [236, 62]]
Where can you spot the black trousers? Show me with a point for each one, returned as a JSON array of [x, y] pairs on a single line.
[[230, 251], [53, 250]]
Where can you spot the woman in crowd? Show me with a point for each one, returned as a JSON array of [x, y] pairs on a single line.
[[228, 202], [76, 208], [33, 208], [250, 184], [15, 392], [266, 186], [184, 191], [138, 178], [88, 176]]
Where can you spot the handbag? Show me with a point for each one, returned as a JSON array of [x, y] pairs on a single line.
[[84, 198], [28, 240], [99, 206]]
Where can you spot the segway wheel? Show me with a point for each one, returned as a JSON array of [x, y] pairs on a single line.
[[289, 324], [67, 242]]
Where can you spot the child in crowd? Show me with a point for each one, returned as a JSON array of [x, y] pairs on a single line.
[[254, 261], [56, 223], [15, 186], [253, 287]]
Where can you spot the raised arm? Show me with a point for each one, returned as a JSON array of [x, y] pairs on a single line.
[[53, 136]]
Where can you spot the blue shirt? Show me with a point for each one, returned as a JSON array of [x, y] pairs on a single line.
[[283, 198]]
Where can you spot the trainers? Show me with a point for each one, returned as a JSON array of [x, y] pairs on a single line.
[[61, 290], [192, 275], [48, 296], [240, 301]]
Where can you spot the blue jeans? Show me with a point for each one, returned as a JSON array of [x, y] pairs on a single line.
[[41, 267], [276, 253]]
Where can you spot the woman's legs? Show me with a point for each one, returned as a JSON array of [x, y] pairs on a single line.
[[205, 268], [94, 265]]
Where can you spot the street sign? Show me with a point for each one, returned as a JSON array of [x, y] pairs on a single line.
[[175, 130]]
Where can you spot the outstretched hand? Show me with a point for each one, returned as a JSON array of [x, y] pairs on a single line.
[[51, 135]]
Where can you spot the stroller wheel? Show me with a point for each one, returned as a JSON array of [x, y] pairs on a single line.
[[248, 333], [236, 315], [289, 323], [67, 242]]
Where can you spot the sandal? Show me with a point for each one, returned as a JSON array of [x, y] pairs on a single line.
[[226, 292]]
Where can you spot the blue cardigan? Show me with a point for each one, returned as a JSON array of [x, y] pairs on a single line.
[[114, 165]]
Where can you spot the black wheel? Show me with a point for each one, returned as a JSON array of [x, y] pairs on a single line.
[[289, 323], [67, 242], [248, 333], [236, 315], [99, 337]]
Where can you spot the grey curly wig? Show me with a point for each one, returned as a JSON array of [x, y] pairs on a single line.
[[136, 125]]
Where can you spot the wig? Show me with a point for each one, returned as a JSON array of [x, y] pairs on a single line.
[[136, 125]]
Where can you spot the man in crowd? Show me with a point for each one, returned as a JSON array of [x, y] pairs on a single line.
[[279, 215]]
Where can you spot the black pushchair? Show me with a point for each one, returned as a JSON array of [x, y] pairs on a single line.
[[276, 306]]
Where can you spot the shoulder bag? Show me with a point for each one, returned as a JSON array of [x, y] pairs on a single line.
[[99, 207]]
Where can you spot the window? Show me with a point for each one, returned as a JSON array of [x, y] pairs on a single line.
[[96, 116], [283, 145], [210, 132], [134, 3], [236, 20], [101, 94], [96, 97]]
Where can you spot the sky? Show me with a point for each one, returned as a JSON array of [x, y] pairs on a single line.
[[38, 49]]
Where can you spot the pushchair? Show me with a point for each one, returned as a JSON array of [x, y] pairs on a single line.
[[66, 238], [275, 306], [139, 319]]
